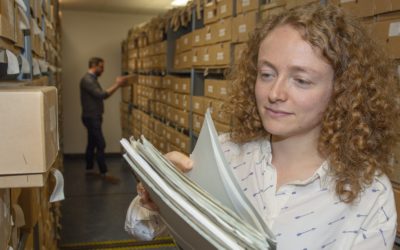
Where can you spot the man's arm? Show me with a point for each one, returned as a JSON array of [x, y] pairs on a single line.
[[119, 82]]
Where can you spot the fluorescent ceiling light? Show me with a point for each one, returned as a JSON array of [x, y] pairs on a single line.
[[177, 3]]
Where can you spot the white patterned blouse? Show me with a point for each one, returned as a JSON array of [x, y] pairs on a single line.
[[308, 215]]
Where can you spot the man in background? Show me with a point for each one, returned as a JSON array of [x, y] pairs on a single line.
[[92, 98]]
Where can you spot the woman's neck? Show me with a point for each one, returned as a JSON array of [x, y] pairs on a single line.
[[295, 158]]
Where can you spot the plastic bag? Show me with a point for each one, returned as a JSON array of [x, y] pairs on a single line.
[[142, 223]]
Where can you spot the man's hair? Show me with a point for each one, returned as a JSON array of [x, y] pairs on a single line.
[[94, 61]]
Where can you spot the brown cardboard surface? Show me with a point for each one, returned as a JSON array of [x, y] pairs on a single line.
[[359, 8], [221, 53], [5, 218], [210, 13], [223, 30], [29, 201], [242, 25], [7, 22], [198, 105], [246, 5], [238, 49], [29, 138], [224, 8]]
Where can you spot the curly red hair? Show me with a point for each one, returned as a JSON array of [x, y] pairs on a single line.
[[358, 133]]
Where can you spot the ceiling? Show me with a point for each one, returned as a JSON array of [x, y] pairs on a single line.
[[118, 6]]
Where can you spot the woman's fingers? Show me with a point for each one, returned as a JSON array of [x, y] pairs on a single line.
[[180, 160], [145, 198]]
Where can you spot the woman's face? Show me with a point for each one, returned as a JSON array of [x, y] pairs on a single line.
[[294, 84]]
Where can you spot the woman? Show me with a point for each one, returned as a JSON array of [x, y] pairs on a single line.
[[314, 101]]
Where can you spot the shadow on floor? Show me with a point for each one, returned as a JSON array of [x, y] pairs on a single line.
[[94, 210]]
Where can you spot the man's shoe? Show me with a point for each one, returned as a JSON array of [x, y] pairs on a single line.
[[109, 178]]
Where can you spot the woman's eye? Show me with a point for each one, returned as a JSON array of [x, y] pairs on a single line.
[[301, 81], [266, 75]]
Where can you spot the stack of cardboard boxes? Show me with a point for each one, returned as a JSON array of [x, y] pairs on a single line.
[[29, 142]]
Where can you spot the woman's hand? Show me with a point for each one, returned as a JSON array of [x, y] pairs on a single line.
[[181, 161]]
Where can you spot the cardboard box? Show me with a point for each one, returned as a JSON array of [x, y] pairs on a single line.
[[7, 22], [5, 218], [197, 122], [29, 137], [29, 201], [198, 37], [208, 35], [224, 8], [221, 53], [210, 13], [243, 25], [246, 5], [272, 9], [19, 34], [198, 105], [221, 128], [217, 89], [222, 30], [238, 50], [359, 8], [184, 43], [387, 32]]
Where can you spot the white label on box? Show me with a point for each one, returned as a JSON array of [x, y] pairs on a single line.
[[222, 32], [208, 36], [242, 28], [394, 29], [197, 38], [210, 89], [347, 1], [220, 56], [206, 58], [223, 9], [176, 86], [245, 2], [184, 87], [197, 105], [183, 145], [197, 124], [182, 120], [194, 58], [223, 91], [210, 14]]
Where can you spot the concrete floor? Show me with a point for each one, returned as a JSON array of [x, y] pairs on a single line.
[[94, 210]]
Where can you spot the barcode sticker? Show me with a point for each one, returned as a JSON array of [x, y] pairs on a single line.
[[210, 89]]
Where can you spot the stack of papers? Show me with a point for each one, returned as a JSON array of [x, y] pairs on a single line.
[[205, 209]]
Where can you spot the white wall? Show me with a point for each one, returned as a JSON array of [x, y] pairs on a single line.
[[87, 34]]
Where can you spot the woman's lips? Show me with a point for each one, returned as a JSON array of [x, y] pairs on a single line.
[[277, 113]]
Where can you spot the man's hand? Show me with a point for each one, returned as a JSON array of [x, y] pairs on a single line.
[[121, 81]]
